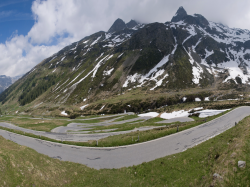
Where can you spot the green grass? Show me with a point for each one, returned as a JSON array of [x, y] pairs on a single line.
[[155, 119], [35, 124], [23, 166]]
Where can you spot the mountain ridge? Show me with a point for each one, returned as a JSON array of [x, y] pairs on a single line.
[[188, 53]]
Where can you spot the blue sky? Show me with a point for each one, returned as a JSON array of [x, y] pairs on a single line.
[[32, 30], [15, 15]]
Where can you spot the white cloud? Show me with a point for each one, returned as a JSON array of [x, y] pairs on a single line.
[[76, 19]]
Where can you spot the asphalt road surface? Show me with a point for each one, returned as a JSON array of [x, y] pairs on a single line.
[[86, 126], [124, 156]]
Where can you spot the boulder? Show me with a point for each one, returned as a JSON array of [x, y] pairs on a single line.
[[216, 176], [241, 164]]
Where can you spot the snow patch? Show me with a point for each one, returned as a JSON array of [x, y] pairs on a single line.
[[159, 83], [197, 73], [197, 99], [85, 42], [82, 107], [64, 113], [149, 114], [96, 41], [99, 57], [175, 114], [105, 73], [53, 58], [102, 107], [120, 55]]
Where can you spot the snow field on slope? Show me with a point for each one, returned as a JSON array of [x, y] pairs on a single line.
[[82, 107], [233, 34], [154, 72], [75, 78], [94, 71], [196, 70], [234, 72], [96, 41], [159, 83], [197, 74], [183, 113]]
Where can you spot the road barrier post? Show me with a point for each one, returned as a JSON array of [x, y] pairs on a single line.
[[178, 128], [97, 142], [235, 123], [138, 138]]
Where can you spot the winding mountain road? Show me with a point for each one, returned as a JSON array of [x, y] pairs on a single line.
[[124, 156], [61, 133]]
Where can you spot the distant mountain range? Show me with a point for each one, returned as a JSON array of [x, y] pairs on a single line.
[[187, 52], [6, 81]]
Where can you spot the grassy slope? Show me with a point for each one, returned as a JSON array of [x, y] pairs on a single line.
[[35, 124], [23, 166]]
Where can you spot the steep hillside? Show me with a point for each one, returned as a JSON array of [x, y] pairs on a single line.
[[188, 53]]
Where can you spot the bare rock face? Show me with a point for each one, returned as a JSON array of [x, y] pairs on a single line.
[[131, 24], [180, 14], [241, 164], [118, 25]]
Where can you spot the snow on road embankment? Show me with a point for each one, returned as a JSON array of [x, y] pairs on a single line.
[[149, 114]]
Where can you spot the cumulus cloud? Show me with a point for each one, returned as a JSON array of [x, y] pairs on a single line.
[[61, 22]]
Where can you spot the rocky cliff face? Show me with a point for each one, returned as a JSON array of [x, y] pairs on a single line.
[[188, 52]]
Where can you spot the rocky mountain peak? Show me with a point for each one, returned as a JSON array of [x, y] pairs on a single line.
[[131, 24], [180, 14], [118, 25], [202, 20], [5, 82], [3, 76]]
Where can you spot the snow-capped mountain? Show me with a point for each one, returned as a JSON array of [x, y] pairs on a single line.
[[6, 81], [187, 52]]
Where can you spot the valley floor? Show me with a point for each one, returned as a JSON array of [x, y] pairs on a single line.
[[195, 167]]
